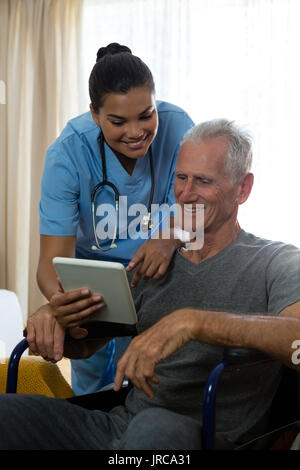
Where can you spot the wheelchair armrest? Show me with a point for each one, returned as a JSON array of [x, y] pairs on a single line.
[[13, 366], [101, 329], [96, 330], [235, 356], [231, 357]]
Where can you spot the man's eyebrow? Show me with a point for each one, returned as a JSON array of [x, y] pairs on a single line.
[[116, 116], [198, 175]]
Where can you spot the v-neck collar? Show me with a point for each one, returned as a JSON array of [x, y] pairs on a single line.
[[195, 267], [114, 166]]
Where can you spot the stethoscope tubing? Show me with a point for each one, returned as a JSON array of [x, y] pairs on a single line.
[[105, 182]]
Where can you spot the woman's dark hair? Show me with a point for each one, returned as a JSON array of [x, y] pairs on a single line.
[[117, 70]]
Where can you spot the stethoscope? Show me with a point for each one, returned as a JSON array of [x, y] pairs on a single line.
[[146, 222]]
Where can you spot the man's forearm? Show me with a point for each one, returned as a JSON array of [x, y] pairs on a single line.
[[273, 335]]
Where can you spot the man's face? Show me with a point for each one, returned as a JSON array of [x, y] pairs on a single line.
[[201, 179]]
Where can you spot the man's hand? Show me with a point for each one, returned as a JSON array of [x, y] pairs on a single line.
[[44, 335], [152, 346], [152, 259]]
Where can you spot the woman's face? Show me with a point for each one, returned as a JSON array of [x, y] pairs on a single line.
[[128, 121]]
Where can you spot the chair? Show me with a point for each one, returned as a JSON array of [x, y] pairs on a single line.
[[96, 330], [284, 424], [11, 322], [35, 374], [109, 398]]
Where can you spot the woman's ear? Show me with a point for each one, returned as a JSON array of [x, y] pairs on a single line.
[[95, 116]]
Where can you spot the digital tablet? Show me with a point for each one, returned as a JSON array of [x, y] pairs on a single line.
[[109, 279]]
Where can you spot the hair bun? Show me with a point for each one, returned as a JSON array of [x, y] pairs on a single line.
[[111, 49]]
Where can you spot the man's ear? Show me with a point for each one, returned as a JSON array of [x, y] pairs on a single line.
[[95, 116], [245, 187]]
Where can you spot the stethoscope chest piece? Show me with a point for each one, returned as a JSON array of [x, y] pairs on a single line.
[[146, 223]]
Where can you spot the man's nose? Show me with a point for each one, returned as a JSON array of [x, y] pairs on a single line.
[[188, 193]]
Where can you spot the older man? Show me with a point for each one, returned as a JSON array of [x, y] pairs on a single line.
[[236, 290]]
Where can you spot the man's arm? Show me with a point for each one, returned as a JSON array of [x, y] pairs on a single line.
[[273, 335]]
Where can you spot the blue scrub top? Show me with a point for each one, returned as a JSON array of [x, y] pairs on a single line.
[[73, 168]]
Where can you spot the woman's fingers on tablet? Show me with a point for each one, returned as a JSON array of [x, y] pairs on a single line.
[[73, 317], [74, 301], [64, 298]]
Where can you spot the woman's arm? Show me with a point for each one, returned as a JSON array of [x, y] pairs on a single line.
[[46, 327], [50, 247]]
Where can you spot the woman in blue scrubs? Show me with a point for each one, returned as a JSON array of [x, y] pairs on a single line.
[[124, 109]]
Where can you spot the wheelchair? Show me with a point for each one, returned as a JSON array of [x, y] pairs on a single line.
[[284, 423]]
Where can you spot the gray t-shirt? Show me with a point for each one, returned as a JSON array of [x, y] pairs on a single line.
[[249, 276]]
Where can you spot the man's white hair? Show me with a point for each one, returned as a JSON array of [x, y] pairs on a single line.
[[239, 156]]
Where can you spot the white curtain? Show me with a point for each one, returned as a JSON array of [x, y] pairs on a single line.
[[223, 58], [40, 59]]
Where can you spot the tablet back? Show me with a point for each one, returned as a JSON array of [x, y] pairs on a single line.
[[102, 277]]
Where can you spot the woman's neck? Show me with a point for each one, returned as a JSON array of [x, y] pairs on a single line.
[[127, 163]]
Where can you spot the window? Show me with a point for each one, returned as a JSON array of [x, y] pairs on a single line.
[[223, 58]]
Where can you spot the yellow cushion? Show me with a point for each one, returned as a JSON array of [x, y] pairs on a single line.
[[37, 376]]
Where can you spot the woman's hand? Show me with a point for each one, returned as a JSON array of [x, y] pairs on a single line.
[[152, 259], [73, 308], [46, 327]]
